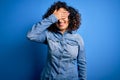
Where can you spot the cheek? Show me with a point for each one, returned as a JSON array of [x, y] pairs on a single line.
[[67, 24]]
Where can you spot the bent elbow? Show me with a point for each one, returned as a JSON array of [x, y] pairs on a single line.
[[30, 36]]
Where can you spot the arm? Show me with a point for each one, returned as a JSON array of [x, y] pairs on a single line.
[[38, 32], [81, 60]]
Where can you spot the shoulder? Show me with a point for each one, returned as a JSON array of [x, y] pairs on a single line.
[[79, 39]]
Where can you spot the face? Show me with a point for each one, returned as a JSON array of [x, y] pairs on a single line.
[[63, 23]]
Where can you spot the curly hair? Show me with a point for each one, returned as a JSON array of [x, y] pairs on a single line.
[[74, 17]]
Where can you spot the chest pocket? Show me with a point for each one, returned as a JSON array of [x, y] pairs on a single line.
[[53, 44], [72, 47]]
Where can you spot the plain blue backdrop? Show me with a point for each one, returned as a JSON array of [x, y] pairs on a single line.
[[21, 59]]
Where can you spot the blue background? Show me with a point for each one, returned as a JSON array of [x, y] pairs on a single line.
[[21, 59]]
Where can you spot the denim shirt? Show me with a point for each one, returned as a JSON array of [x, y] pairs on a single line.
[[66, 57]]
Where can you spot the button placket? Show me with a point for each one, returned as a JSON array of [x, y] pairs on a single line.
[[60, 57]]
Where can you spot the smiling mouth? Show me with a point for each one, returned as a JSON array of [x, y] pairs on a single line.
[[61, 24]]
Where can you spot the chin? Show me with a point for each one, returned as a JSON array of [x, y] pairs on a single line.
[[62, 28]]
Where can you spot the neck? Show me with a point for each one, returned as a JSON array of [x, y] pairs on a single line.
[[62, 31]]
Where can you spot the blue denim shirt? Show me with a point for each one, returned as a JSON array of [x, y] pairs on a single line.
[[66, 57]]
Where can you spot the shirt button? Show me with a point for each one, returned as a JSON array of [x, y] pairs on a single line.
[[60, 57]]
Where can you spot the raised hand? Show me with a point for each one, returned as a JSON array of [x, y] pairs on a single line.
[[61, 13]]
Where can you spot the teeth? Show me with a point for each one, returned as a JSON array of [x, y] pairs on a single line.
[[61, 24]]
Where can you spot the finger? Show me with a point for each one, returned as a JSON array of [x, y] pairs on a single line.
[[65, 15]]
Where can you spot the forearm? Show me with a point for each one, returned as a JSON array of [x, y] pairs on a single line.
[[82, 70]]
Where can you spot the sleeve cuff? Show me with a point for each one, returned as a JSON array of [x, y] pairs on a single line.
[[53, 18]]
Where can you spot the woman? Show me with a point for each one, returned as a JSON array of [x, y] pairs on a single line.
[[66, 58]]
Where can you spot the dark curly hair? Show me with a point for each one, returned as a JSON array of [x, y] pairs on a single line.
[[74, 17]]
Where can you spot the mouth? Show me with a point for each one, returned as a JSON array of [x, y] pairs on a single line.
[[61, 24]]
